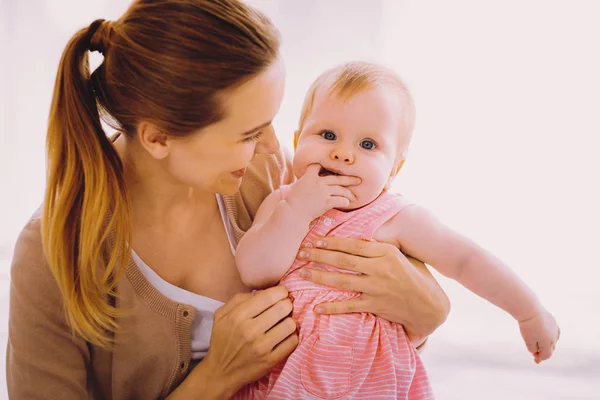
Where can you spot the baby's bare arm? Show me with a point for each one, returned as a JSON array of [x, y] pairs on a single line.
[[423, 236], [268, 249]]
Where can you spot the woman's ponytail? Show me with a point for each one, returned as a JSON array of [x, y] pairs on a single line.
[[86, 203]]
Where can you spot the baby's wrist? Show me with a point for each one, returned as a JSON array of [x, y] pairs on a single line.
[[299, 215], [528, 314]]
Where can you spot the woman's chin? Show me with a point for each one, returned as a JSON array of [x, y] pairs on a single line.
[[229, 186]]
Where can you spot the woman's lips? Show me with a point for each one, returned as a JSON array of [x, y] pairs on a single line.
[[239, 173]]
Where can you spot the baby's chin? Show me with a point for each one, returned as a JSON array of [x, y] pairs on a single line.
[[354, 205], [358, 204]]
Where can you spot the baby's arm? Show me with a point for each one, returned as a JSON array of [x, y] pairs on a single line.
[[424, 237], [267, 250]]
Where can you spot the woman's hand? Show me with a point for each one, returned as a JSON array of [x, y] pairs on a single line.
[[251, 334], [391, 287]]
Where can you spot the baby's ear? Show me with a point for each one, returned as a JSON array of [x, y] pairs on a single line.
[[296, 136], [395, 169]]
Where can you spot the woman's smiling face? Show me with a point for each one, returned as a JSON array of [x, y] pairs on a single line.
[[215, 158]]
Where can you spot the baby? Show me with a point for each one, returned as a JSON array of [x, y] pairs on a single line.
[[353, 137]]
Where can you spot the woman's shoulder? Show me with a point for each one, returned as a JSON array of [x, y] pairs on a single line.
[[29, 270], [28, 251]]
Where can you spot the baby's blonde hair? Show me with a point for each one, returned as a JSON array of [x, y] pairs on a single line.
[[353, 77]]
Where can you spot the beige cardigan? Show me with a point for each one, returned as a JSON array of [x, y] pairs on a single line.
[[152, 354]]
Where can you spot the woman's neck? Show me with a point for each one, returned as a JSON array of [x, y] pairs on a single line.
[[156, 200]]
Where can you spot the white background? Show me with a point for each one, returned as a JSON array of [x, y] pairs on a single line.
[[508, 127]]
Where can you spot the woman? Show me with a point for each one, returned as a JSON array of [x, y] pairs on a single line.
[[115, 282]]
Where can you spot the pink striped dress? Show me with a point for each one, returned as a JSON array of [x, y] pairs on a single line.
[[349, 356]]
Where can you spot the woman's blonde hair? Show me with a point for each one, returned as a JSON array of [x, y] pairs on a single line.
[[165, 62]]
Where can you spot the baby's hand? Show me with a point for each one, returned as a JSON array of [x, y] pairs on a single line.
[[312, 195], [540, 332]]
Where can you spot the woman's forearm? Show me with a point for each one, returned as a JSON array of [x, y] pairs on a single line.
[[429, 306]]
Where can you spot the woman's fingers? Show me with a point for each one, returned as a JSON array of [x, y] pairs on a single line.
[[356, 247], [226, 308], [283, 349], [336, 259], [338, 280], [343, 307], [278, 333], [273, 315], [260, 301]]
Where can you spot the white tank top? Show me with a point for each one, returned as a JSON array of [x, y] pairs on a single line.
[[205, 306]]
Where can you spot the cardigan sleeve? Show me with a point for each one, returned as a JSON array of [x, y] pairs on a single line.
[[266, 173], [44, 360]]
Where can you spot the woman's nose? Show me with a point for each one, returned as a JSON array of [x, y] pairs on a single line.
[[268, 143], [343, 155]]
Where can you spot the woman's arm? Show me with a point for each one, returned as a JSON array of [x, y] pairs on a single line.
[[392, 287], [44, 360], [252, 333], [202, 383]]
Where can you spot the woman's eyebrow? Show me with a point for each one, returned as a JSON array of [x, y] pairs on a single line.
[[251, 131]]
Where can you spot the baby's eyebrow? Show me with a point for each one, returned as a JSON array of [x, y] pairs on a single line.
[[373, 134]]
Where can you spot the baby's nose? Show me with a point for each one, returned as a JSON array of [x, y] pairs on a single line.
[[347, 157]]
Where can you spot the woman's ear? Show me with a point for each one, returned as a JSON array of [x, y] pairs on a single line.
[[153, 140]]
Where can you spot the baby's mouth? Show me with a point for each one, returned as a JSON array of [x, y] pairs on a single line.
[[327, 172]]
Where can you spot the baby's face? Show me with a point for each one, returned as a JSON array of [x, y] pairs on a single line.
[[356, 136]]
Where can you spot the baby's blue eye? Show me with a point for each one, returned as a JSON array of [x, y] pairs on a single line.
[[367, 144], [328, 135]]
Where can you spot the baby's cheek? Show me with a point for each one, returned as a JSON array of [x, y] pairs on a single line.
[[300, 163], [376, 185], [366, 192]]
